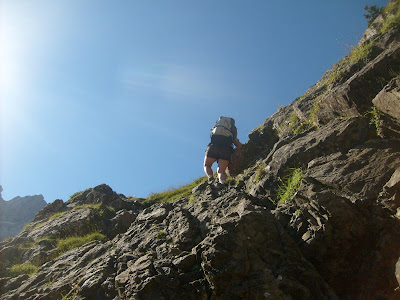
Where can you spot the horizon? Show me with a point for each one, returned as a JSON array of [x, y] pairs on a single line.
[[93, 92]]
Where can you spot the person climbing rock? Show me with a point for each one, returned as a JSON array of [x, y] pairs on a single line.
[[223, 137]]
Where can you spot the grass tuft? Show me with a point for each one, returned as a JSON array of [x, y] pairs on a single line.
[[376, 121], [312, 120], [260, 172], [99, 209], [290, 186], [20, 269], [91, 206], [56, 215], [334, 75], [393, 19], [360, 53], [73, 242], [172, 195]]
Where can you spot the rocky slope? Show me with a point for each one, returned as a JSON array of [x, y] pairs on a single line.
[[312, 210], [17, 212]]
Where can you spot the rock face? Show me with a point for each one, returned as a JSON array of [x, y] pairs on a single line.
[[228, 247], [312, 211], [17, 212]]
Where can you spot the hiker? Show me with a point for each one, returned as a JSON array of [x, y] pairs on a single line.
[[223, 136]]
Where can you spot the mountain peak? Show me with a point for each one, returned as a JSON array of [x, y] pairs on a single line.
[[17, 212]]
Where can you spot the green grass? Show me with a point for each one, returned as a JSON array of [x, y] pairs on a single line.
[[26, 245], [334, 75], [91, 206], [20, 269], [297, 213], [290, 185], [37, 225], [290, 123], [27, 226], [376, 120], [360, 53], [56, 215], [393, 10], [293, 121], [260, 172], [312, 119], [72, 242], [161, 235], [174, 194], [99, 209], [356, 54], [75, 195]]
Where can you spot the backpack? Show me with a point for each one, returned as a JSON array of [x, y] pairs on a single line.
[[224, 131]]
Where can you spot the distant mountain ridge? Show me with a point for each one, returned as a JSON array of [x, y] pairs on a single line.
[[17, 212]]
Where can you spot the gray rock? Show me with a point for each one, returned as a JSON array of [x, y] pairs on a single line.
[[17, 212], [388, 104]]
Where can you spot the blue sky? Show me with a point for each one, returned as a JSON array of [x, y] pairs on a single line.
[[125, 92]]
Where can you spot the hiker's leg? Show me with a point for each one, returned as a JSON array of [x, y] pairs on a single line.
[[208, 162], [222, 165]]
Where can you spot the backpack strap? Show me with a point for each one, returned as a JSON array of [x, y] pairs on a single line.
[[224, 127]]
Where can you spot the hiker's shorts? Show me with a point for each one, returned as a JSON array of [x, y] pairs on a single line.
[[219, 151]]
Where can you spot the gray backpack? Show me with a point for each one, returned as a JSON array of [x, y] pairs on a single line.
[[224, 131]]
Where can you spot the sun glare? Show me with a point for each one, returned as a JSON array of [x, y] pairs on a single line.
[[10, 76]]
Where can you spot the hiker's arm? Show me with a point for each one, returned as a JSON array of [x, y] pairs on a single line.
[[238, 144]]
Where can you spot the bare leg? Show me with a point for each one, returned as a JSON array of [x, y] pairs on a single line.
[[222, 165], [208, 162]]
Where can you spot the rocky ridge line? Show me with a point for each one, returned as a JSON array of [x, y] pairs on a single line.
[[17, 212]]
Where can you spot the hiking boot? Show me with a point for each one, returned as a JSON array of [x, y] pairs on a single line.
[[218, 186]]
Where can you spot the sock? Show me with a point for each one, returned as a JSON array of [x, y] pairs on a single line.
[[222, 178]]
